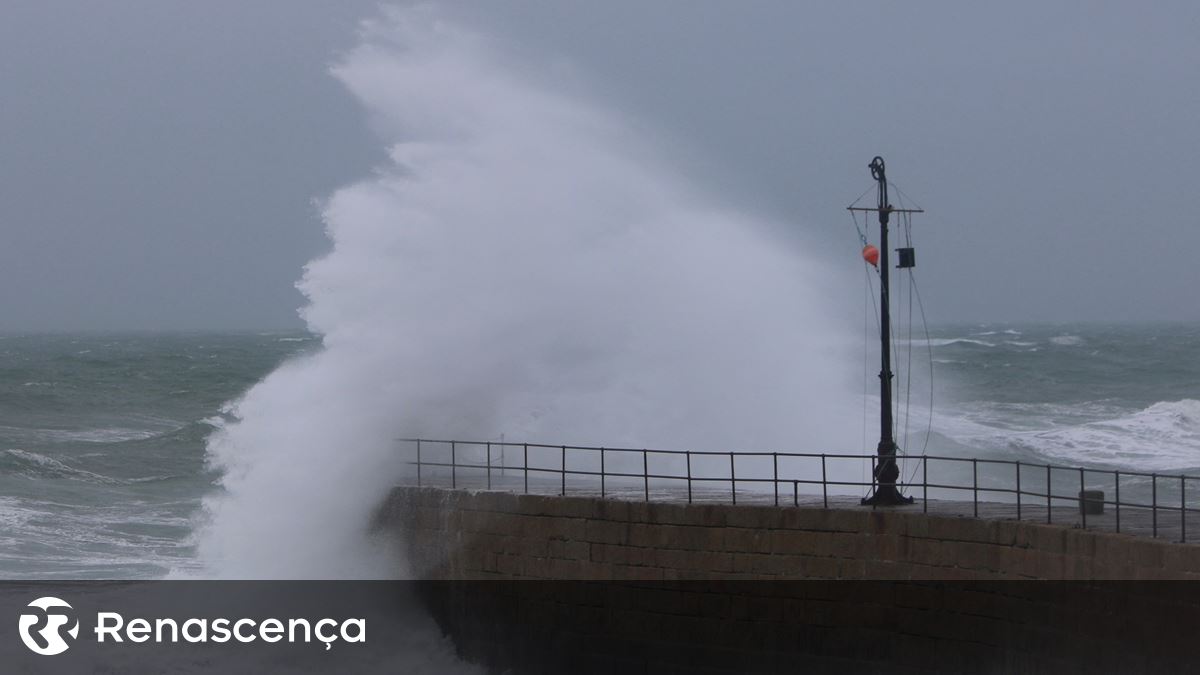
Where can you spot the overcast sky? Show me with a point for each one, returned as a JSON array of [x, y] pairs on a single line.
[[159, 161]]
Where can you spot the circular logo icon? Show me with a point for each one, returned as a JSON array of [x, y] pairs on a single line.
[[42, 629]]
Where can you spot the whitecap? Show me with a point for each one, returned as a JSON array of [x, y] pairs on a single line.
[[37, 465], [1162, 437], [100, 435], [944, 342]]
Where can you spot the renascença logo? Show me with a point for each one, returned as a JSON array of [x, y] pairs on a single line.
[[42, 631]]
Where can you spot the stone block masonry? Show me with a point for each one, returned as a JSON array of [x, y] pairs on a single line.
[[459, 534], [718, 588]]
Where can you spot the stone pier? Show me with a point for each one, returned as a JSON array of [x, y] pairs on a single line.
[[549, 584]]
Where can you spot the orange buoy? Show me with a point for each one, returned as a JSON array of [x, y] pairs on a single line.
[[871, 255]]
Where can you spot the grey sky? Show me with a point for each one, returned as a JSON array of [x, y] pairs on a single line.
[[158, 160]]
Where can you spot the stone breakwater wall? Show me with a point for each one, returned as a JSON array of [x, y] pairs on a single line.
[[711, 588], [459, 534]]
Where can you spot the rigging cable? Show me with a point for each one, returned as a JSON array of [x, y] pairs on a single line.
[[907, 222], [913, 289], [868, 299], [929, 349], [870, 288], [903, 378]]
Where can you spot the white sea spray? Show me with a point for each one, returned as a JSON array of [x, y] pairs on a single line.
[[524, 265]]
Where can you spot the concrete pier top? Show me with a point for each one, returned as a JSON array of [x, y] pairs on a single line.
[[469, 533], [1168, 523]]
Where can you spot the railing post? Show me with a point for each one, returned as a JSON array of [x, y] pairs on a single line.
[[453, 465], [1154, 505], [775, 482], [975, 486], [601, 473], [732, 479], [689, 475], [795, 493], [1117, 485], [489, 466], [646, 474], [1018, 490], [925, 484], [563, 491], [525, 447], [1049, 499], [418, 462], [824, 484], [1082, 506]]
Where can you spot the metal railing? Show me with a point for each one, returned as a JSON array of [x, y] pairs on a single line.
[[1012, 488]]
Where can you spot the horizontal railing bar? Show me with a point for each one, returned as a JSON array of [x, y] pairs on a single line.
[[940, 486], [812, 455], [721, 453], [718, 453], [645, 475], [726, 479], [580, 472]]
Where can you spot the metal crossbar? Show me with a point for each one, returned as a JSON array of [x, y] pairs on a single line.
[[458, 463]]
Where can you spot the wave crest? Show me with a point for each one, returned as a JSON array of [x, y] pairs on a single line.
[[1164, 436]]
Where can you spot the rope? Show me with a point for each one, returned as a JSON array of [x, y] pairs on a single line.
[[862, 237], [906, 224], [870, 286], [904, 196], [929, 348], [864, 194], [908, 363], [895, 383], [868, 299], [870, 293]]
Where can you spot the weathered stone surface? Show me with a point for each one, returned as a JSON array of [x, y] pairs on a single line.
[[479, 534]]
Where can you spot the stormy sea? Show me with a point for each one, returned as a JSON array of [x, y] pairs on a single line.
[[104, 465]]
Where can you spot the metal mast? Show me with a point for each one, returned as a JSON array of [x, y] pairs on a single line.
[[885, 492]]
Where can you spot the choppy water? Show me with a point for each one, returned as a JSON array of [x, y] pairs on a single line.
[[102, 438], [102, 460], [1121, 396]]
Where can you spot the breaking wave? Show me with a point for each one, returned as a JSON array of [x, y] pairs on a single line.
[[523, 265], [1164, 436]]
